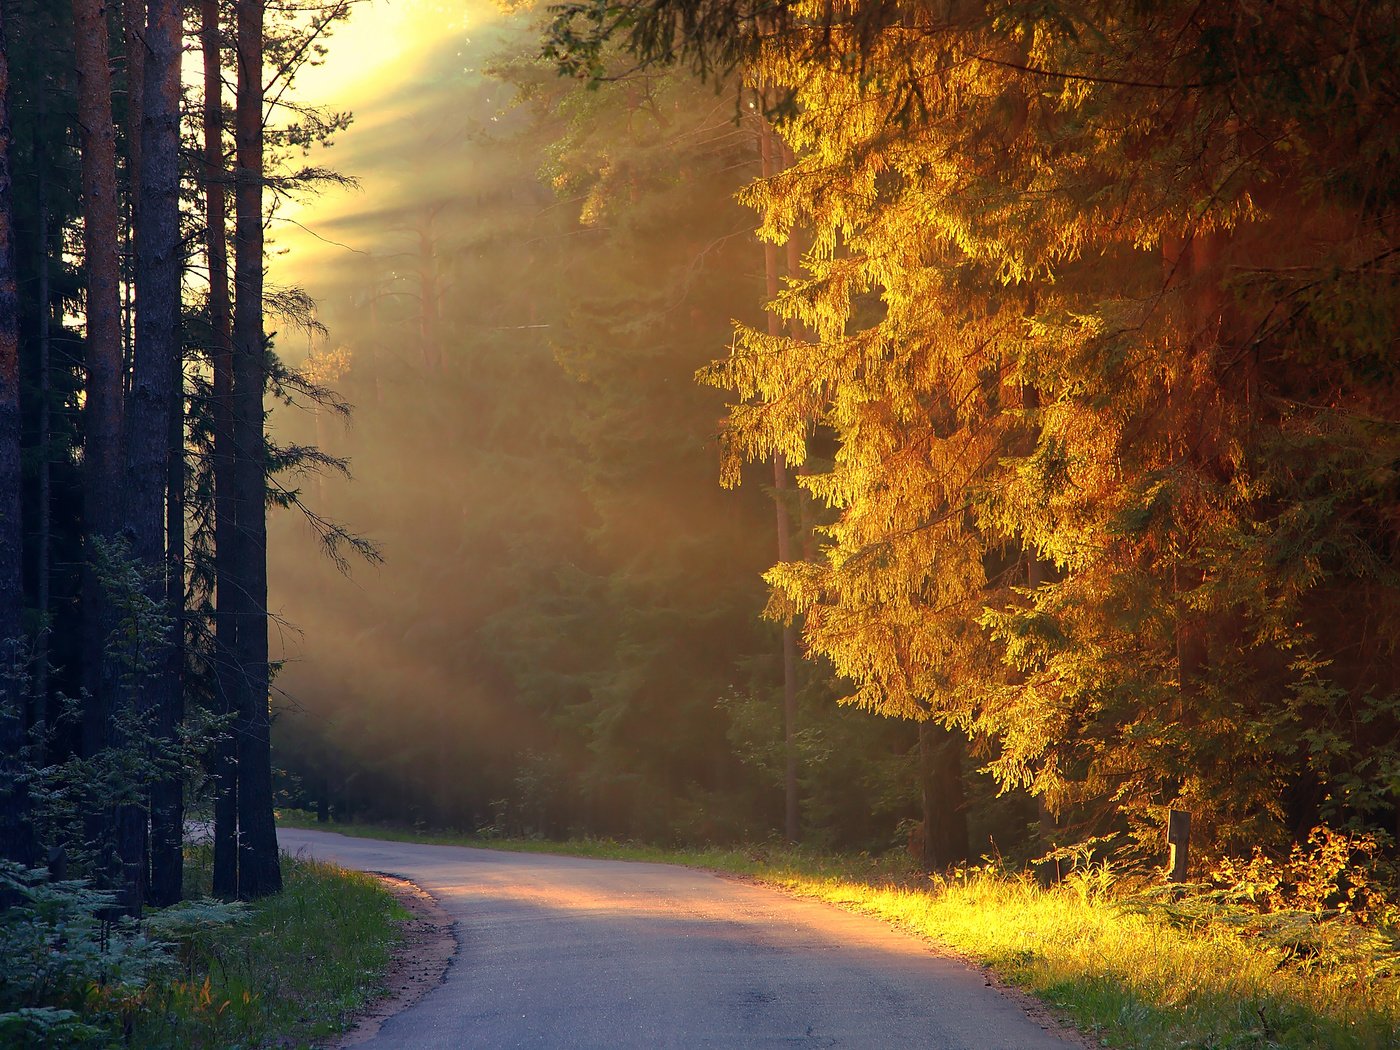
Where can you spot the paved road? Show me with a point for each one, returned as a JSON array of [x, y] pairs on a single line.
[[563, 952]]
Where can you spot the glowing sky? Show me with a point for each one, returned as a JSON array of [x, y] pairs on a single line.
[[373, 59]]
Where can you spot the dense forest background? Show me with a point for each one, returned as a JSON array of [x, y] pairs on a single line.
[[971, 428], [566, 636], [1070, 427], [136, 357]]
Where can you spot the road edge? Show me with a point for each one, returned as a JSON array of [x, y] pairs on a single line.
[[418, 965]]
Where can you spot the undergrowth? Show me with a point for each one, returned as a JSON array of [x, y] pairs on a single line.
[[285, 971]]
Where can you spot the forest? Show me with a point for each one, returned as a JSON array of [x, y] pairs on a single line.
[[969, 428], [136, 360], [1047, 357]]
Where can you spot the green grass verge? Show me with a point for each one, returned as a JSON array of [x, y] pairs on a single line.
[[1128, 973], [293, 972]]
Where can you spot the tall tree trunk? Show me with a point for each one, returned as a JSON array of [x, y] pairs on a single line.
[[133, 29], [167, 793], [791, 816], [43, 558], [1038, 572], [259, 869], [134, 49], [805, 530], [102, 404], [225, 525], [1190, 264], [156, 359], [941, 795], [102, 396], [1205, 303], [154, 86], [17, 840]]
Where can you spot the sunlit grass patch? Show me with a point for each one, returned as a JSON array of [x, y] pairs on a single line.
[[1131, 977], [293, 972], [1130, 969]]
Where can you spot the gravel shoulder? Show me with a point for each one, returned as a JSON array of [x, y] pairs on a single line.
[[420, 961]]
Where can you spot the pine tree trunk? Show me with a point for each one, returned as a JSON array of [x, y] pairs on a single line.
[[133, 28], [102, 400], [259, 869], [167, 801], [102, 403], [805, 531], [17, 840], [43, 556], [226, 611], [167, 793], [156, 359], [941, 793], [1191, 264]]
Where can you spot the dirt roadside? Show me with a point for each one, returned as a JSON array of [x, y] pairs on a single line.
[[419, 963]]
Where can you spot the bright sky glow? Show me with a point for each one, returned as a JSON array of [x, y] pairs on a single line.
[[372, 58]]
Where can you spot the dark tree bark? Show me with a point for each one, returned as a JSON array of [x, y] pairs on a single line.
[[941, 791], [157, 358], [167, 793], [43, 556], [102, 406], [167, 801], [134, 50], [225, 771], [133, 28], [17, 841], [259, 869]]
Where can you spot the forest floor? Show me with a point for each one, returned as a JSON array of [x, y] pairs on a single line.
[[419, 962], [297, 970], [1130, 969]]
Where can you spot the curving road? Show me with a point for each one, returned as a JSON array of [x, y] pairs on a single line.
[[563, 952]]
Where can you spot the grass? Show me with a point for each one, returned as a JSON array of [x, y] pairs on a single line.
[[1128, 970], [294, 971]]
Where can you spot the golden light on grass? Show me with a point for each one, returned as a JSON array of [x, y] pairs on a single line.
[[1140, 979]]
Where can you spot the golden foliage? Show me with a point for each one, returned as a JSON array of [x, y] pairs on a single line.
[[1116, 423]]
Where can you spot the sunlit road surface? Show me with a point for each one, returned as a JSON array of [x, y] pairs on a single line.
[[563, 952]]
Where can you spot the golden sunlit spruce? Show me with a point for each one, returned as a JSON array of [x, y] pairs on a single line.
[[1111, 290]]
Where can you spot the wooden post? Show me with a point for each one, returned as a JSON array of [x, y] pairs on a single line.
[[1178, 839]]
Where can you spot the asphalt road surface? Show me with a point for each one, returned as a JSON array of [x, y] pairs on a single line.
[[564, 952]]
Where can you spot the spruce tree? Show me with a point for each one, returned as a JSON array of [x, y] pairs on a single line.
[[1031, 335]]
